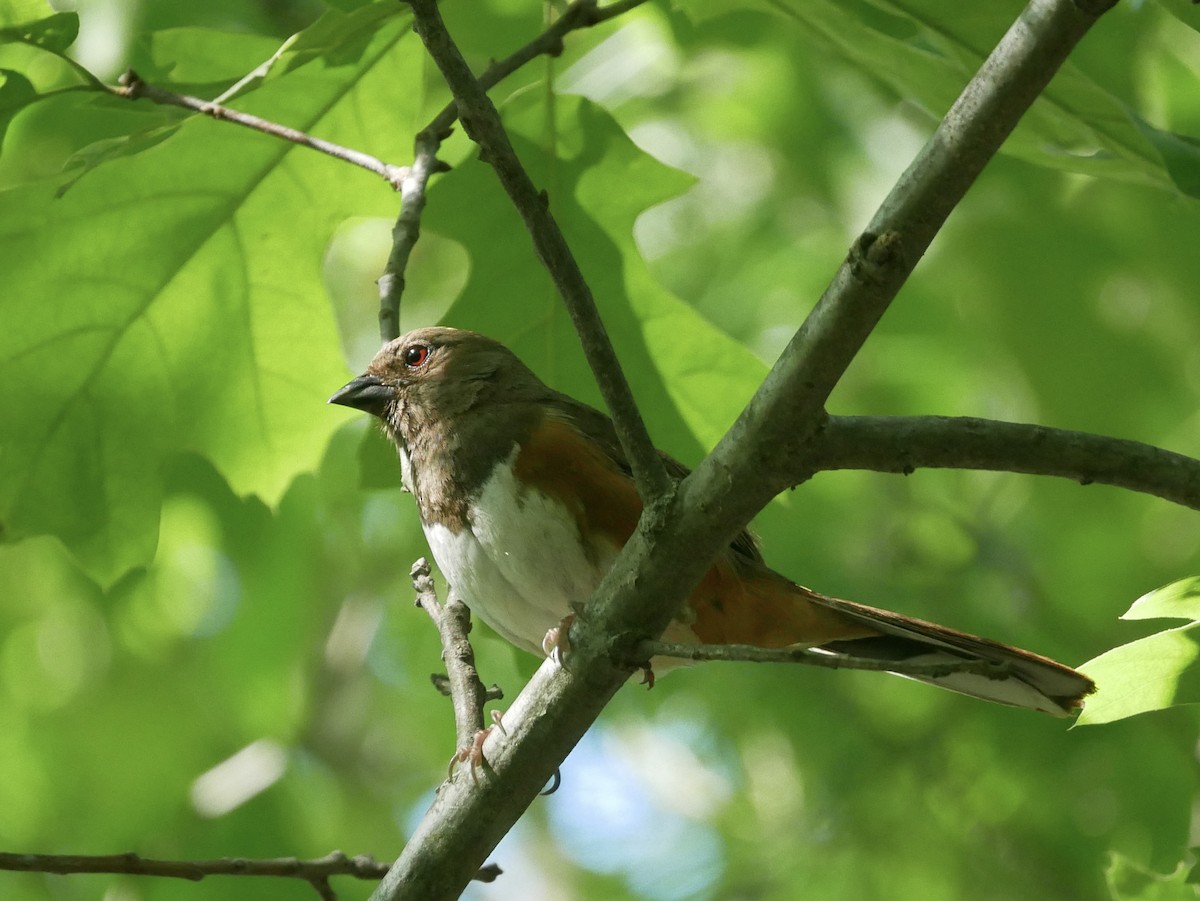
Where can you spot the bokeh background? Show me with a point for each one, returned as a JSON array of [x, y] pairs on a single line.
[[207, 641]]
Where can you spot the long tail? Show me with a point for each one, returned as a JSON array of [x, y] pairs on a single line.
[[1025, 679], [751, 604]]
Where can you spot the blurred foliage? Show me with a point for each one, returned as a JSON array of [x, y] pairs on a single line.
[[206, 645]]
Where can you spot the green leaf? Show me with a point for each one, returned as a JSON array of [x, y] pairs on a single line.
[[1128, 881], [97, 153], [1180, 154], [197, 61], [339, 35], [1152, 673], [1155, 672], [191, 58], [172, 301], [16, 93], [1179, 600], [54, 33]]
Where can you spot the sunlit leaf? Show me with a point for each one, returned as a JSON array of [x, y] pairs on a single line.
[[185, 59], [1152, 673], [339, 36], [166, 303], [1179, 600]]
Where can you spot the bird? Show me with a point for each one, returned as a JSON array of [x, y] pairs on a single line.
[[526, 498]]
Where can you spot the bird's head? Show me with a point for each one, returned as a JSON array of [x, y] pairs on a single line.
[[436, 373]]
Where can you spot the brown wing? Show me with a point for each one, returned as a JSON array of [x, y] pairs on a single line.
[[599, 428]]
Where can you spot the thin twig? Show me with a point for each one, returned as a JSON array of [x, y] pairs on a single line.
[[482, 123], [315, 871], [453, 621], [747, 653], [132, 87], [407, 229]]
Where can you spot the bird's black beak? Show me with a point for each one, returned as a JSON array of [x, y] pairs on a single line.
[[364, 393]]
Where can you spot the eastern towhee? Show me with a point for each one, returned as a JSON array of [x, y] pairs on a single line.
[[526, 498]]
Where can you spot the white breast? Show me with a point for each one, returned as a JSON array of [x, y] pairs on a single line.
[[519, 564]]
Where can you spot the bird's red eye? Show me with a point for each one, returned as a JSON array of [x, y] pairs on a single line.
[[415, 355]]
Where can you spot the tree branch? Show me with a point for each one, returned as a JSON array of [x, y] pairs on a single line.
[[482, 123], [676, 541], [133, 88], [453, 622], [904, 444]]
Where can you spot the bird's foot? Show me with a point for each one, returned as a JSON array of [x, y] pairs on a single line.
[[472, 752], [557, 643]]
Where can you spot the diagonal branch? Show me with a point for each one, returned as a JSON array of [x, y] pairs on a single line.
[[673, 545], [482, 123], [906, 443]]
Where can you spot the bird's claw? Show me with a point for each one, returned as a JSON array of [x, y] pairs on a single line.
[[472, 752], [647, 676], [557, 643]]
